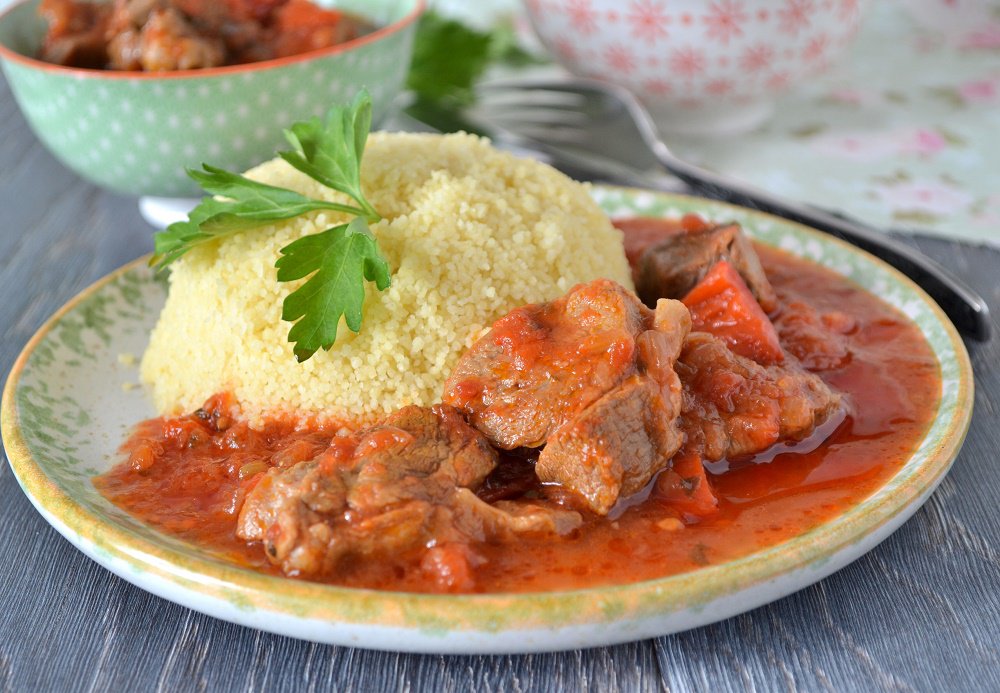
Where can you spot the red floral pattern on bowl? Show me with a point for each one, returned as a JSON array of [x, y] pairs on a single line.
[[700, 65]]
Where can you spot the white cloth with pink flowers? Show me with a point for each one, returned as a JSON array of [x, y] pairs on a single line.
[[903, 132]]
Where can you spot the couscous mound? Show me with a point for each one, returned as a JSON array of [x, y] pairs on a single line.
[[469, 233]]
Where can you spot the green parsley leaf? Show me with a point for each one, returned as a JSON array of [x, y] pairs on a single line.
[[253, 201], [339, 259], [248, 204], [178, 238], [449, 57], [330, 151]]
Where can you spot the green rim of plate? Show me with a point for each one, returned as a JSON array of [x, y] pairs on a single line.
[[47, 467]]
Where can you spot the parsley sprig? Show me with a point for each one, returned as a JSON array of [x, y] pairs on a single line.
[[449, 58], [337, 261]]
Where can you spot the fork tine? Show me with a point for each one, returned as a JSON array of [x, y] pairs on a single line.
[[577, 89], [548, 133], [552, 99], [517, 113], [576, 112], [559, 84]]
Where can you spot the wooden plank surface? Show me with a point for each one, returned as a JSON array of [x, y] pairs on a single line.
[[919, 613]]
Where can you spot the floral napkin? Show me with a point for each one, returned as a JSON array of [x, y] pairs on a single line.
[[903, 132]]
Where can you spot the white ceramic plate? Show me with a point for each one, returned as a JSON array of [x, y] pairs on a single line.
[[69, 402]]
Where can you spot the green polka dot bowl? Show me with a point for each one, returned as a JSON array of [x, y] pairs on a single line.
[[136, 133]]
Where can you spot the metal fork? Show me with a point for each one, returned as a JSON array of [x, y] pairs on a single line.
[[589, 124]]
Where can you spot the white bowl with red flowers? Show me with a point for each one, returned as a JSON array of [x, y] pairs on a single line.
[[700, 66]]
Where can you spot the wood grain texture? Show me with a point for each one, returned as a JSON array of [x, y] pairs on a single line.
[[919, 613]]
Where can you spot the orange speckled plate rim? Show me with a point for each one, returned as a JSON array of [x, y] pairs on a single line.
[[446, 614]]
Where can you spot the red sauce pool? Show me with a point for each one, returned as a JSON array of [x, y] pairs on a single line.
[[891, 378]]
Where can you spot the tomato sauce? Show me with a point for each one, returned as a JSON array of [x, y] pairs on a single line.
[[862, 347]]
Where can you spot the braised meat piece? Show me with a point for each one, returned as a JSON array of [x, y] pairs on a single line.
[[734, 406], [186, 34], [76, 32], [672, 267], [243, 26], [590, 376], [169, 41], [541, 364], [417, 453], [507, 519], [613, 448], [396, 487]]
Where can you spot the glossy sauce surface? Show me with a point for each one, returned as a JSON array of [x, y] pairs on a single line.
[[858, 344]]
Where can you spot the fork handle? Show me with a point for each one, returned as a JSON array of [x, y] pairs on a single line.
[[967, 310]]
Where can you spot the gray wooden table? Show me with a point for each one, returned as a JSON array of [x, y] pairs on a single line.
[[920, 612]]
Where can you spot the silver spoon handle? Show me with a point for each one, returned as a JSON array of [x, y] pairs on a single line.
[[960, 302]]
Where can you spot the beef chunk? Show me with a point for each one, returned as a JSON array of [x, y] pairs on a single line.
[[613, 448], [285, 510], [507, 519], [396, 487], [540, 365], [589, 375], [75, 34], [734, 406], [417, 453], [672, 267], [242, 26], [168, 41]]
